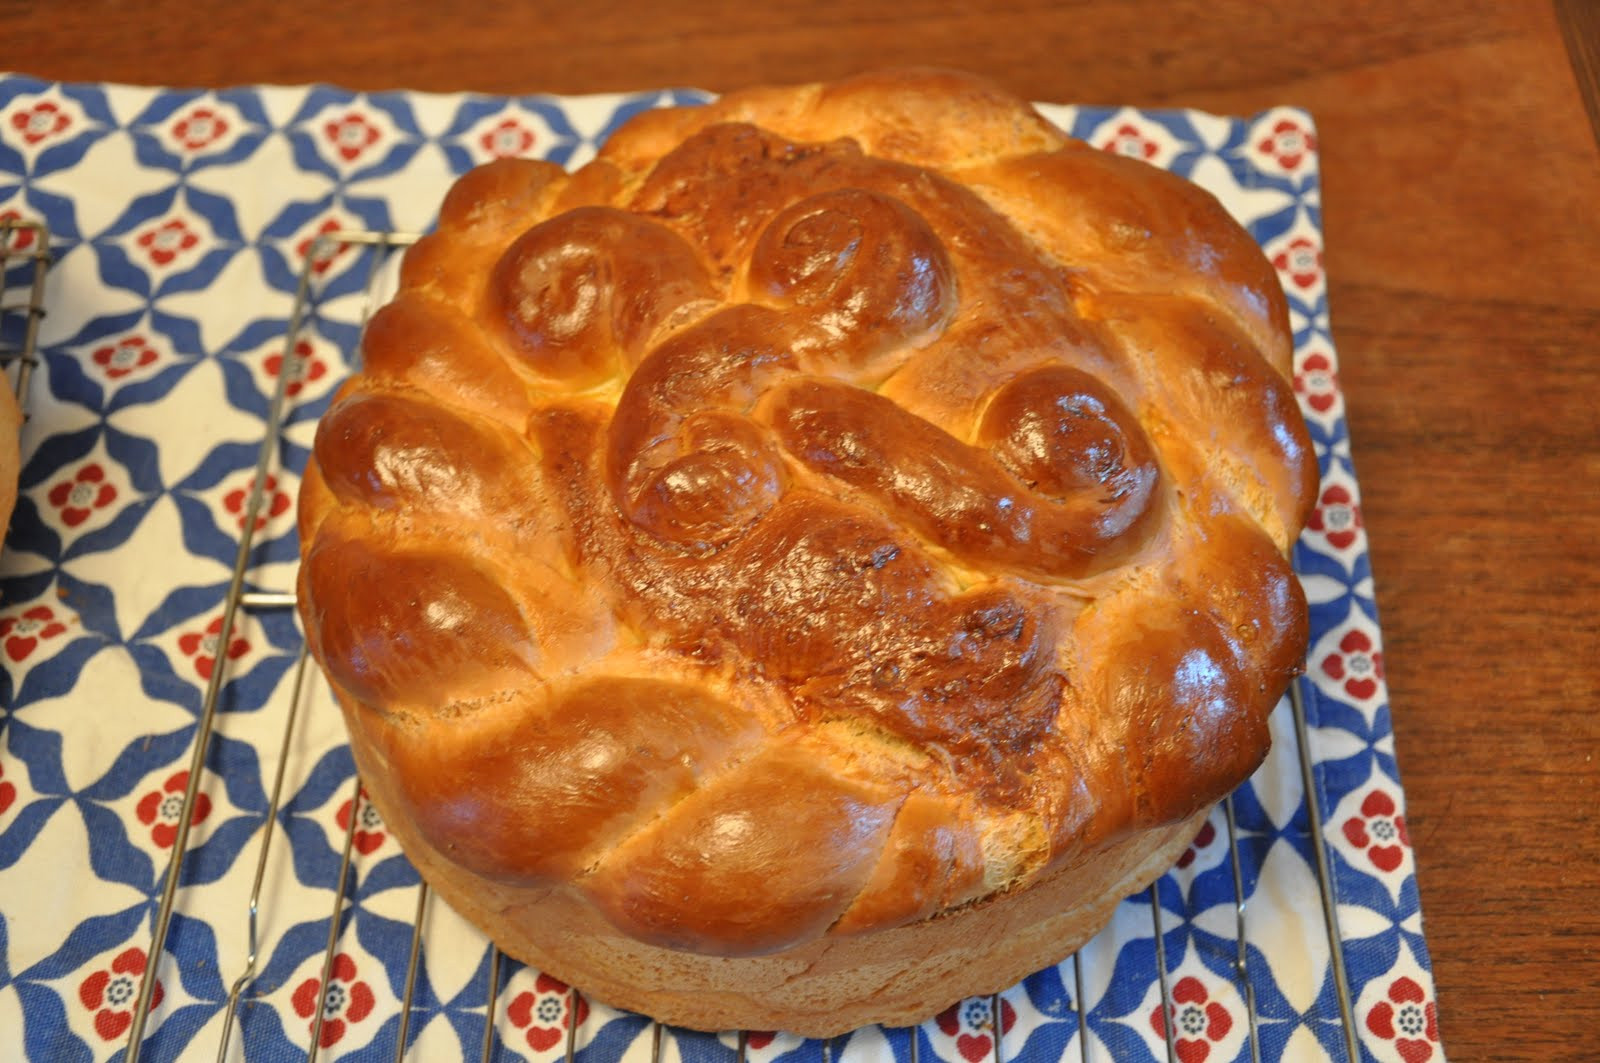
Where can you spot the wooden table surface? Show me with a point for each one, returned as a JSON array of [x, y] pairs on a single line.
[[1462, 212]]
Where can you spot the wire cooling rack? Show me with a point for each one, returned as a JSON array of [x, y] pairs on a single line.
[[381, 251], [24, 259]]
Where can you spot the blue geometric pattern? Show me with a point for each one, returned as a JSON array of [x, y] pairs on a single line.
[[181, 221]]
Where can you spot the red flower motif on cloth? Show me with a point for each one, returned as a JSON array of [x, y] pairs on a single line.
[[13, 241], [1337, 517], [1301, 260], [8, 792], [758, 1039], [200, 127], [273, 502], [369, 824], [1127, 140], [542, 1014], [162, 809], [40, 122], [125, 356], [23, 633], [1198, 1022], [325, 254], [204, 646], [507, 140], [347, 1000], [1408, 1018], [1380, 830], [111, 993], [1288, 144], [165, 242], [1357, 664], [1317, 381], [975, 1015], [80, 496], [351, 135], [1207, 835], [304, 365]]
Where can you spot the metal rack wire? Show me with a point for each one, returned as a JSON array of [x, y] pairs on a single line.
[[23, 243], [382, 246]]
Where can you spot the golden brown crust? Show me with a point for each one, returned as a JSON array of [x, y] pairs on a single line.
[[819, 988], [835, 509], [10, 457]]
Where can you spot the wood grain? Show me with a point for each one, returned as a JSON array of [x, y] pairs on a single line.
[[1462, 195]]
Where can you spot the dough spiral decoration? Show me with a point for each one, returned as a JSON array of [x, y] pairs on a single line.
[[785, 545]]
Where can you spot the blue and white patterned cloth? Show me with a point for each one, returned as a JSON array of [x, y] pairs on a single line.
[[180, 222]]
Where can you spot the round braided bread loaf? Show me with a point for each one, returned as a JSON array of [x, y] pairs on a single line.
[[806, 566]]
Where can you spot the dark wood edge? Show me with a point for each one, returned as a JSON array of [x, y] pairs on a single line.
[[1580, 25]]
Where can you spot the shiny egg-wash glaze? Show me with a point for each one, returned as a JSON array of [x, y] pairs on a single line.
[[806, 566]]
